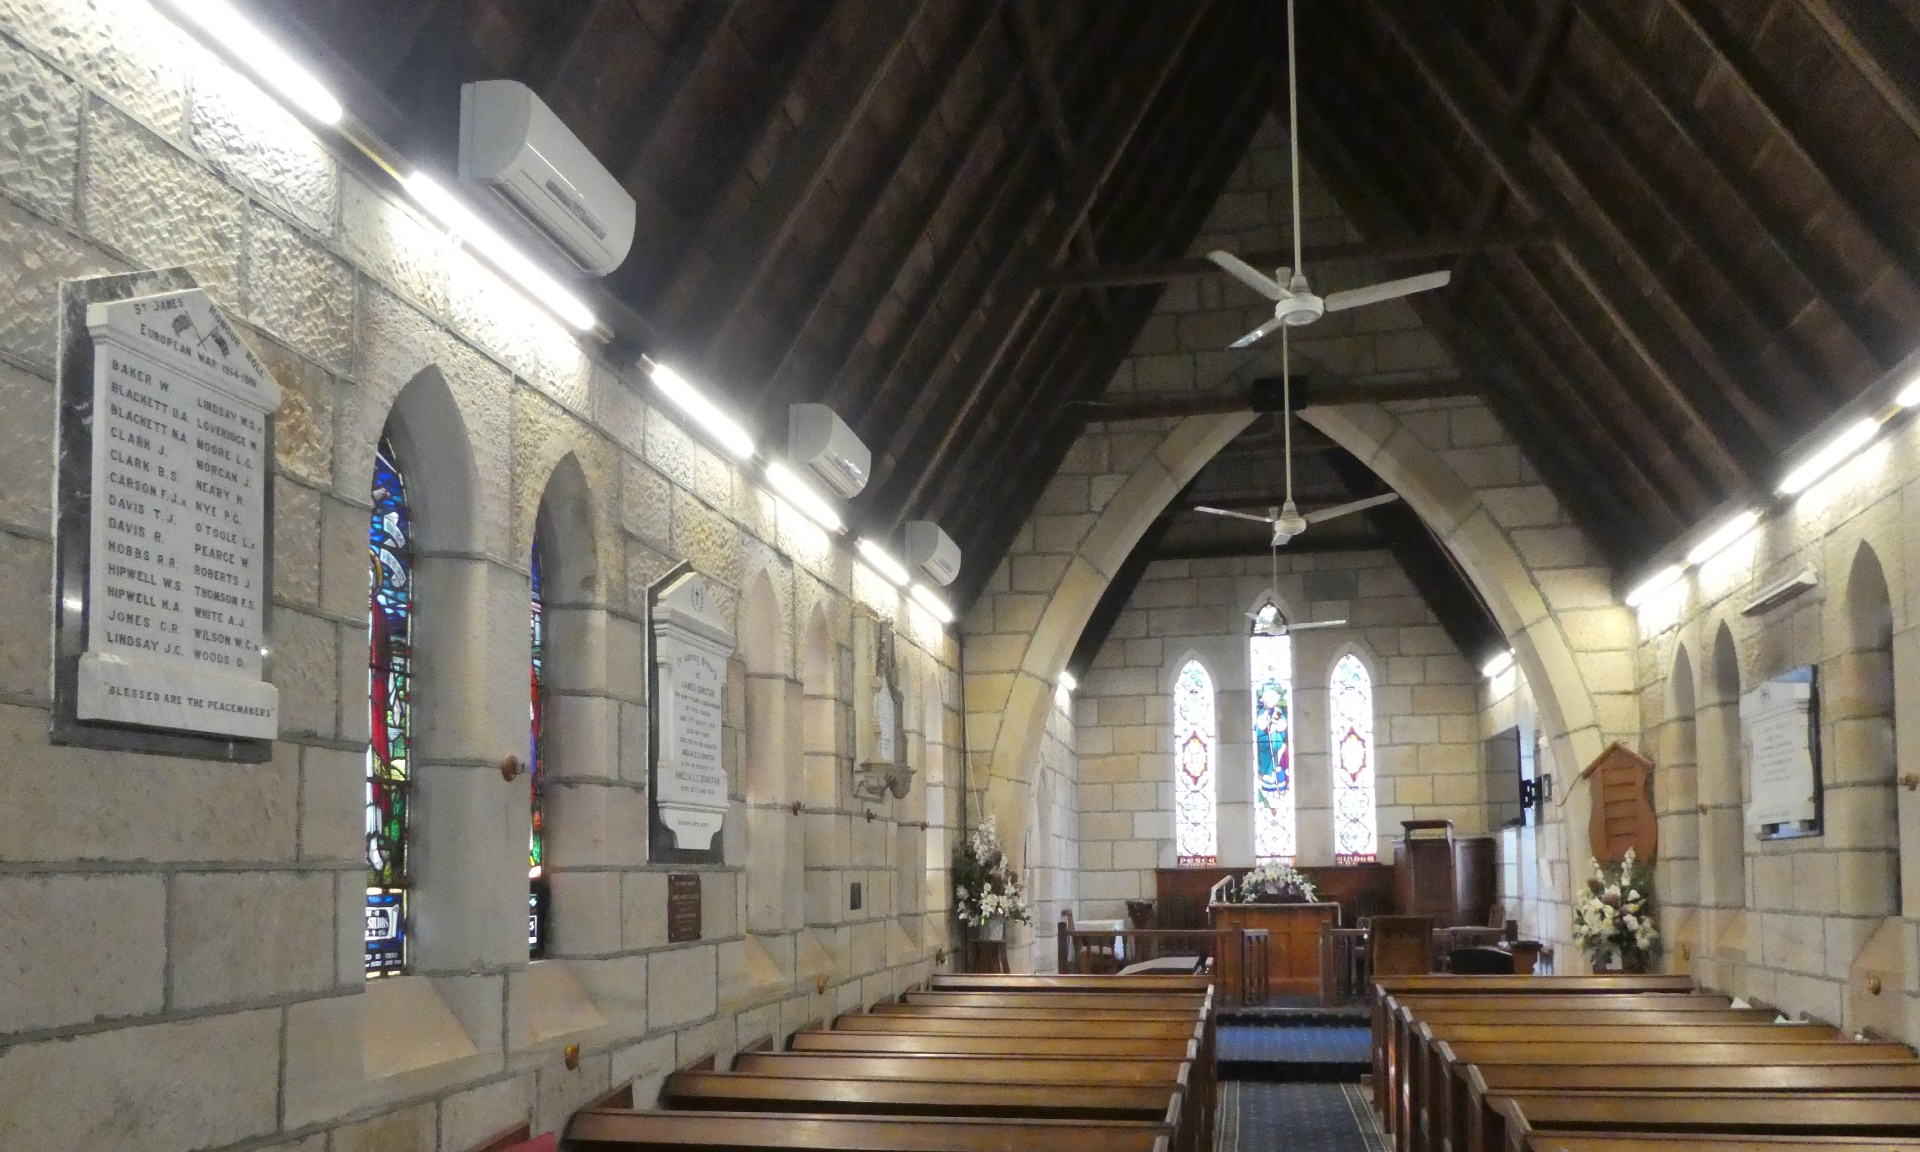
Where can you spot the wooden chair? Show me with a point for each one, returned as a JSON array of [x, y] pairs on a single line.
[[1401, 945]]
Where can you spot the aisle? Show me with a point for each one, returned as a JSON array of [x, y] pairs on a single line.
[[1322, 1049], [1266, 1117]]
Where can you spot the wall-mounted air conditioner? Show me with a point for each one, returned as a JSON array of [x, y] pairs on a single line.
[[818, 438], [540, 178], [932, 551]]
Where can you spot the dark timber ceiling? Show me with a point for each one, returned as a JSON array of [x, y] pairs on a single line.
[[900, 207]]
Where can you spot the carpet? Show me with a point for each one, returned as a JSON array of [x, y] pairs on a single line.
[[1258, 1117]]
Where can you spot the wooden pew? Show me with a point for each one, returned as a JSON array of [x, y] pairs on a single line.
[[1494, 1085], [1037, 1012], [1688, 1113], [1003, 982], [1505, 987], [1431, 1116], [743, 1092], [1631, 1142], [977, 1069], [619, 1130], [1018, 1025], [1396, 1043], [916, 1043]]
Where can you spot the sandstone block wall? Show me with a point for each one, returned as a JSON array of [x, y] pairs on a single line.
[[1426, 703], [183, 937]]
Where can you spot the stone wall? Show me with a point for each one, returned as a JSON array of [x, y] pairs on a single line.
[[1426, 732], [183, 937]]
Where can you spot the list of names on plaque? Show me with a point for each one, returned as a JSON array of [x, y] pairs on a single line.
[[176, 588], [691, 644], [698, 774]]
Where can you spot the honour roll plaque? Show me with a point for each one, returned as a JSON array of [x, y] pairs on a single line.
[[176, 582]]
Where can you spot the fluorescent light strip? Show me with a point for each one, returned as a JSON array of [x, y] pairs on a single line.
[[883, 562], [1854, 438], [1910, 395], [1654, 585], [1498, 664], [267, 60], [1068, 682], [688, 399], [495, 249], [932, 603], [798, 493], [1724, 537]]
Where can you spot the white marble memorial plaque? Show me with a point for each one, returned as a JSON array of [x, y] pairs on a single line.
[[176, 580], [1776, 718], [690, 646]]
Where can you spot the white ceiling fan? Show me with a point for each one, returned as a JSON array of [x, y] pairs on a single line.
[[1270, 621], [1286, 527], [1294, 303]]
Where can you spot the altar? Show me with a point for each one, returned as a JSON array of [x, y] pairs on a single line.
[[1293, 942]]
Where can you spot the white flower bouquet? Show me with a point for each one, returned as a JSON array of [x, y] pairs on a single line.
[[1275, 882], [1615, 916], [984, 885]]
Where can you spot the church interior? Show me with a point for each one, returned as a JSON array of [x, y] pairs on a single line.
[[959, 575]]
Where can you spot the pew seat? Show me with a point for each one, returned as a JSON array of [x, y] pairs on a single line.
[[1689, 1113], [610, 1130], [738, 1091]]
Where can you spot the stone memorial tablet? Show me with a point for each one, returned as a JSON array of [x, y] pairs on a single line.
[[690, 648], [176, 587], [1781, 723]]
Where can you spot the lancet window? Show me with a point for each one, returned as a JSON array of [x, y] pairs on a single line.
[[1196, 748], [1350, 705], [1270, 659]]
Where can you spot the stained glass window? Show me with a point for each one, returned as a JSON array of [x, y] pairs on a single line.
[[1270, 659], [1350, 704], [1194, 828], [389, 697], [538, 898]]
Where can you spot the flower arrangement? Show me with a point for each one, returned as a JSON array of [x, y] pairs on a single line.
[[1275, 882], [984, 886], [1615, 915]]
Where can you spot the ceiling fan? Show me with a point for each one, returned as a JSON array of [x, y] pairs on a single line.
[[1270, 621], [1294, 301], [1288, 522]]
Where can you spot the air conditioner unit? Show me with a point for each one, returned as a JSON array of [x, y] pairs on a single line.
[[932, 551], [540, 177], [818, 438]]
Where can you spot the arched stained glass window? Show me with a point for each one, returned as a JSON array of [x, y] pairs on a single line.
[[1350, 704], [539, 900], [1270, 659], [1195, 834], [389, 697]]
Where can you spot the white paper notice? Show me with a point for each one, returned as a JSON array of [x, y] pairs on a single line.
[[1775, 718], [176, 587]]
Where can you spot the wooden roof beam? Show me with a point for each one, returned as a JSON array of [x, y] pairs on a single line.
[[1150, 176], [1581, 487], [1852, 25], [1151, 58], [1895, 237], [1724, 407], [1159, 271], [780, 388], [744, 250], [1824, 276], [943, 292], [1673, 405], [1548, 34]]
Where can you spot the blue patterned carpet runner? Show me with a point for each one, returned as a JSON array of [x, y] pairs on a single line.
[[1268, 1117]]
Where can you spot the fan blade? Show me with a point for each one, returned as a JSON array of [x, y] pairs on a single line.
[[1258, 334], [1390, 290], [1356, 506], [1249, 275], [1231, 512], [1312, 624]]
